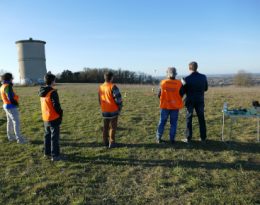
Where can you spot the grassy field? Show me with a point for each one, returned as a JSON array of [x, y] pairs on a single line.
[[139, 171]]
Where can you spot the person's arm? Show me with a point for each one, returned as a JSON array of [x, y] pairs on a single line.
[[184, 86], [99, 97], [159, 93], [182, 91], [10, 95], [206, 86], [117, 97], [56, 103]]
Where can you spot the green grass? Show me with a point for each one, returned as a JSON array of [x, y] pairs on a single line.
[[139, 171]]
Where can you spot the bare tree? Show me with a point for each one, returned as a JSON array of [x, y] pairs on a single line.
[[242, 78]]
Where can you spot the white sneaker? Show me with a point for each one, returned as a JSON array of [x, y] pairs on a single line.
[[11, 139], [22, 141]]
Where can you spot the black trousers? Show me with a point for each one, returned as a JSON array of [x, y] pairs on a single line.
[[51, 140], [199, 108]]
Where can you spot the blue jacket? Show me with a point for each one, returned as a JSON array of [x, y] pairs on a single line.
[[195, 86]]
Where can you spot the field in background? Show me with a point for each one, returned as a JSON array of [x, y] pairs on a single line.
[[139, 171]]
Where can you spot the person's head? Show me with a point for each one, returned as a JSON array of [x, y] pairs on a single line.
[[193, 66], [49, 79], [108, 76], [7, 77], [171, 72]]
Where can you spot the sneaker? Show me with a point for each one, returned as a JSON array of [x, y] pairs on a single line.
[[204, 141], [11, 139], [186, 140], [22, 141], [57, 158], [112, 145]]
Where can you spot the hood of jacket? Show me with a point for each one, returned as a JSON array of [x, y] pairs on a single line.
[[44, 90]]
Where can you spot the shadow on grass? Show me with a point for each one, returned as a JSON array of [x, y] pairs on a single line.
[[104, 160], [211, 145], [2, 121]]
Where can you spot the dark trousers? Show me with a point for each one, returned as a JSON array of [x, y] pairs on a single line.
[[51, 140], [199, 108], [109, 130]]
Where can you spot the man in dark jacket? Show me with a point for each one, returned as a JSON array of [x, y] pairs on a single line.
[[195, 85], [52, 117]]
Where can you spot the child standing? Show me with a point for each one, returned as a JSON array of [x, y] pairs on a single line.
[[52, 117], [110, 101], [10, 105]]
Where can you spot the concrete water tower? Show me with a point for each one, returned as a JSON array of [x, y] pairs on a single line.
[[32, 62]]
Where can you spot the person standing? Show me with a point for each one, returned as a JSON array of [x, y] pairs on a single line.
[[52, 117], [110, 101], [170, 94], [195, 85], [10, 105]]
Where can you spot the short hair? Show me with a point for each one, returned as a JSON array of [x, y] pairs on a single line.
[[7, 76], [108, 76], [49, 78], [171, 72], [193, 66]]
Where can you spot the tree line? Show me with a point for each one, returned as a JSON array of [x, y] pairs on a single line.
[[96, 75]]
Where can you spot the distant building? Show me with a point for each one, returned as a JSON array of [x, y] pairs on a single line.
[[32, 62]]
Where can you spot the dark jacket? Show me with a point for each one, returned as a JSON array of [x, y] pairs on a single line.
[[195, 86], [44, 90]]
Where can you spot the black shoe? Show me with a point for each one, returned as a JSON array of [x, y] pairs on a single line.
[[112, 145], [160, 141], [54, 159], [46, 156], [204, 141], [172, 142]]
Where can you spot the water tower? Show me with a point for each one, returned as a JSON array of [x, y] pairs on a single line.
[[32, 62]]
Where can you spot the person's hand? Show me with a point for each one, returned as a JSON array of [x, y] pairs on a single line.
[[15, 103]]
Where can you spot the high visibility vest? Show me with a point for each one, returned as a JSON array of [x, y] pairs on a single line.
[[4, 96], [170, 97], [48, 111], [107, 101]]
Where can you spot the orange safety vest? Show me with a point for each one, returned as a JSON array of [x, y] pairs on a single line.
[[48, 111], [107, 101], [170, 97], [4, 96]]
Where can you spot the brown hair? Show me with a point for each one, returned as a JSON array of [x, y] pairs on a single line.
[[193, 66], [108, 76]]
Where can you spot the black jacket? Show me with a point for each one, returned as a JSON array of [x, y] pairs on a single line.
[[44, 90], [195, 86]]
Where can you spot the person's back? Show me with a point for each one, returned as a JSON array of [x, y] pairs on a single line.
[[170, 97], [51, 116], [196, 85], [170, 94], [110, 101]]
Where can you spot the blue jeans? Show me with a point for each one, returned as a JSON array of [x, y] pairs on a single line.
[[164, 114]]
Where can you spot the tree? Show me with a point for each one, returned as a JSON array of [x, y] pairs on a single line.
[[242, 78]]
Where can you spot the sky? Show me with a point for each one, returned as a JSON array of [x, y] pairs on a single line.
[[223, 36]]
